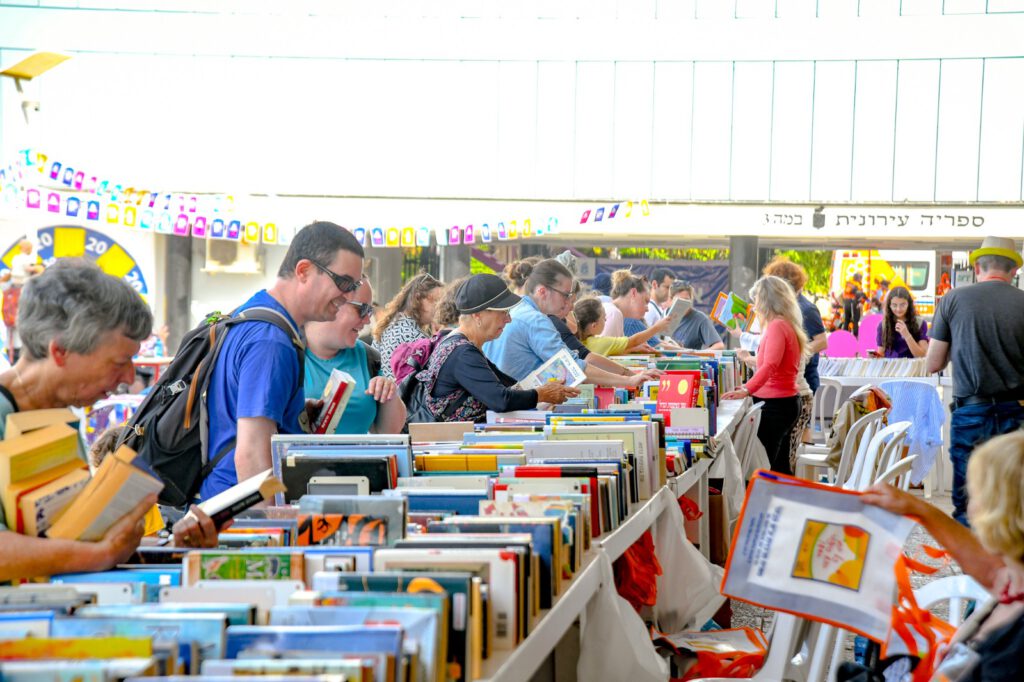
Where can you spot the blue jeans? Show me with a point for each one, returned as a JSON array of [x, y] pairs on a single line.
[[970, 426]]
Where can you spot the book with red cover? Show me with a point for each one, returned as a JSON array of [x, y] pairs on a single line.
[[588, 473], [335, 396], [678, 388], [605, 397]]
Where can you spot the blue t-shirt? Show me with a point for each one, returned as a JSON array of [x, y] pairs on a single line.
[[812, 327], [632, 326], [256, 375], [361, 411]]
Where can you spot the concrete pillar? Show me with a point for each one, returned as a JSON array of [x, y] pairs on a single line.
[[176, 286], [384, 267], [454, 262], [743, 268]]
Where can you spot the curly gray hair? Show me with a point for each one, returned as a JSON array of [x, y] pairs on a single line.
[[75, 303]]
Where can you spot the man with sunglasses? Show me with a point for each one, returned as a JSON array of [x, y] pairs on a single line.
[[256, 387], [374, 406]]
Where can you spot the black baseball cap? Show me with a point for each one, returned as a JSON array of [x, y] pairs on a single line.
[[484, 292]]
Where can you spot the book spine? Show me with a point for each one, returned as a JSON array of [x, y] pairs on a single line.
[[227, 513]]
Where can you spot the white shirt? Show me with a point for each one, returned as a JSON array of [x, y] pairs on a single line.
[[20, 268], [653, 314]]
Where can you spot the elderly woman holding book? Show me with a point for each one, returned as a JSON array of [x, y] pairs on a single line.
[[459, 382], [80, 329]]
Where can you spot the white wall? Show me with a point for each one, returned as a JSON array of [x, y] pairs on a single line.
[[697, 100]]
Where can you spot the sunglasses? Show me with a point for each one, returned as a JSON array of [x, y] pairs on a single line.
[[345, 284], [364, 309]]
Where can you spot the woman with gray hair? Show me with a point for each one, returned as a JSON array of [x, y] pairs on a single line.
[[80, 328], [783, 343]]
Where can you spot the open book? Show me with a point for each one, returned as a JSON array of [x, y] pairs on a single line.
[[679, 308], [226, 505], [732, 311], [335, 396], [561, 367]]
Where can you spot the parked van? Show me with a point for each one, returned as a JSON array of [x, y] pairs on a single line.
[[915, 270]]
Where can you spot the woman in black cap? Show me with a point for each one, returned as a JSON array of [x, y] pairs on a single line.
[[460, 383]]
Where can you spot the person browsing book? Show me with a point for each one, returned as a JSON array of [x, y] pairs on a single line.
[[374, 406], [990, 644], [80, 328], [406, 318], [256, 382], [783, 343], [460, 383], [902, 333], [530, 339], [696, 330], [590, 316]]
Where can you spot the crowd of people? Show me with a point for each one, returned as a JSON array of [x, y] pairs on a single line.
[[80, 329]]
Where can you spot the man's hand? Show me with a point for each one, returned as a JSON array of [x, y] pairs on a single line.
[[196, 529], [382, 389], [124, 536]]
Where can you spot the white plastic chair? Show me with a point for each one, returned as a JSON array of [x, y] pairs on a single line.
[[898, 474], [790, 644], [861, 429], [880, 449], [955, 589], [826, 402]]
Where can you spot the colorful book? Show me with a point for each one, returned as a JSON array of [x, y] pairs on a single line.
[[117, 488], [342, 529], [76, 647], [561, 367], [729, 310], [678, 389], [214, 565], [336, 395], [13, 492]]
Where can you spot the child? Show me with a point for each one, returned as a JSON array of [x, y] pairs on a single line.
[[590, 319]]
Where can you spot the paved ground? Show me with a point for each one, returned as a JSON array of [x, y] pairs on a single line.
[[745, 614]]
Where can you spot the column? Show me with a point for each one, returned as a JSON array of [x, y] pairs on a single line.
[[743, 268], [175, 282], [454, 262], [385, 271]]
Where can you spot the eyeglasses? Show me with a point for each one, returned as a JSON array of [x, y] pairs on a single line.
[[364, 309], [345, 284], [566, 295]]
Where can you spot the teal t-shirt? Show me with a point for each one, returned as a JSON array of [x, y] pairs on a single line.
[[7, 406], [361, 411]]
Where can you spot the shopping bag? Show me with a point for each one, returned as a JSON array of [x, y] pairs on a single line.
[[688, 586], [614, 643], [737, 652], [817, 552]]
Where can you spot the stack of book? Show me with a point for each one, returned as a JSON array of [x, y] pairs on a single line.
[[873, 367]]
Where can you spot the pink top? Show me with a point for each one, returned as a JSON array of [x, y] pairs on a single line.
[[778, 362]]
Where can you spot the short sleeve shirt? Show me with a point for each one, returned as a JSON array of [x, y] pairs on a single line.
[[696, 331], [813, 326], [255, 375], [361, 411]]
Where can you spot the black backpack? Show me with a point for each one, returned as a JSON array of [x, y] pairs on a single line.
[[170, 429]]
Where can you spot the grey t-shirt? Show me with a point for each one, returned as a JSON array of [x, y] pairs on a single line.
[[696, 331], [984, 326]]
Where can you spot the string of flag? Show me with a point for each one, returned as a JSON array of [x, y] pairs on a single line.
[[38, 182]]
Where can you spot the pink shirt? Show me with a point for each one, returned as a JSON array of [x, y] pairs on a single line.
[[613, 320], [778, 362]]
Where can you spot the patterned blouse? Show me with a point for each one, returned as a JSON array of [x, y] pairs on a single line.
[[402, 329]]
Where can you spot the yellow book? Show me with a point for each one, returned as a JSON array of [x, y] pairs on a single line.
[[115, 490], [12, 494], [38, 509], [35, 452], [456, 462], [76, 647], [20, 423]]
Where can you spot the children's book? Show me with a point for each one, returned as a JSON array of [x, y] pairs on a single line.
[[678, 389], [561, 367], [818, 552], [335, 396], [729, 310]]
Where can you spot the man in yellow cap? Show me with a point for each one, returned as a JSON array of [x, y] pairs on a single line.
[[981, 329]]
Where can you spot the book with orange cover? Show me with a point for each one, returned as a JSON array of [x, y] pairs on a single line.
[[11, 494], [76, 647], [35, 452], [117, 487]]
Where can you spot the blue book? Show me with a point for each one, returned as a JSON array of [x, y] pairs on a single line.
[[18, 624], [236, 614], [148, 580], [461, 503], [478, 437]]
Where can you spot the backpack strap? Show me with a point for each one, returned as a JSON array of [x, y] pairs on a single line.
[[270, 316]]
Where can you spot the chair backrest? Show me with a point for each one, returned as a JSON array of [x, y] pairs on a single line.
[[863, 429], [863, 472], [826, 402], [900, 470], [956, 589]]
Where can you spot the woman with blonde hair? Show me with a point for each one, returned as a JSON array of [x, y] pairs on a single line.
[[990, 644], [406, 318], [783, 343]]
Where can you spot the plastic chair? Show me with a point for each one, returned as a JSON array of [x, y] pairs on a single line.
[[955, 589], [881, 447], [789, 647], [862, 429], [901, 471], [826, 402]]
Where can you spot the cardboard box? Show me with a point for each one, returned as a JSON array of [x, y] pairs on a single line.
[[718, 524]]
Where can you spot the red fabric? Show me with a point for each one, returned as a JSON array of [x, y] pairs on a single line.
[[636, 573], [778, 362], [10, 306]]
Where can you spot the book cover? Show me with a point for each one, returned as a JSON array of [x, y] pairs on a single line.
[[393, 510], [76, 647], [38, 509], [677, 312], [236, 614], [335, 396], [214, 565], [677, 389], [561, 367], [227, 504], [298, 469], [347, 669], [84, 670], [20, 423], [729, 310], [116, 488], [342, 529]]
